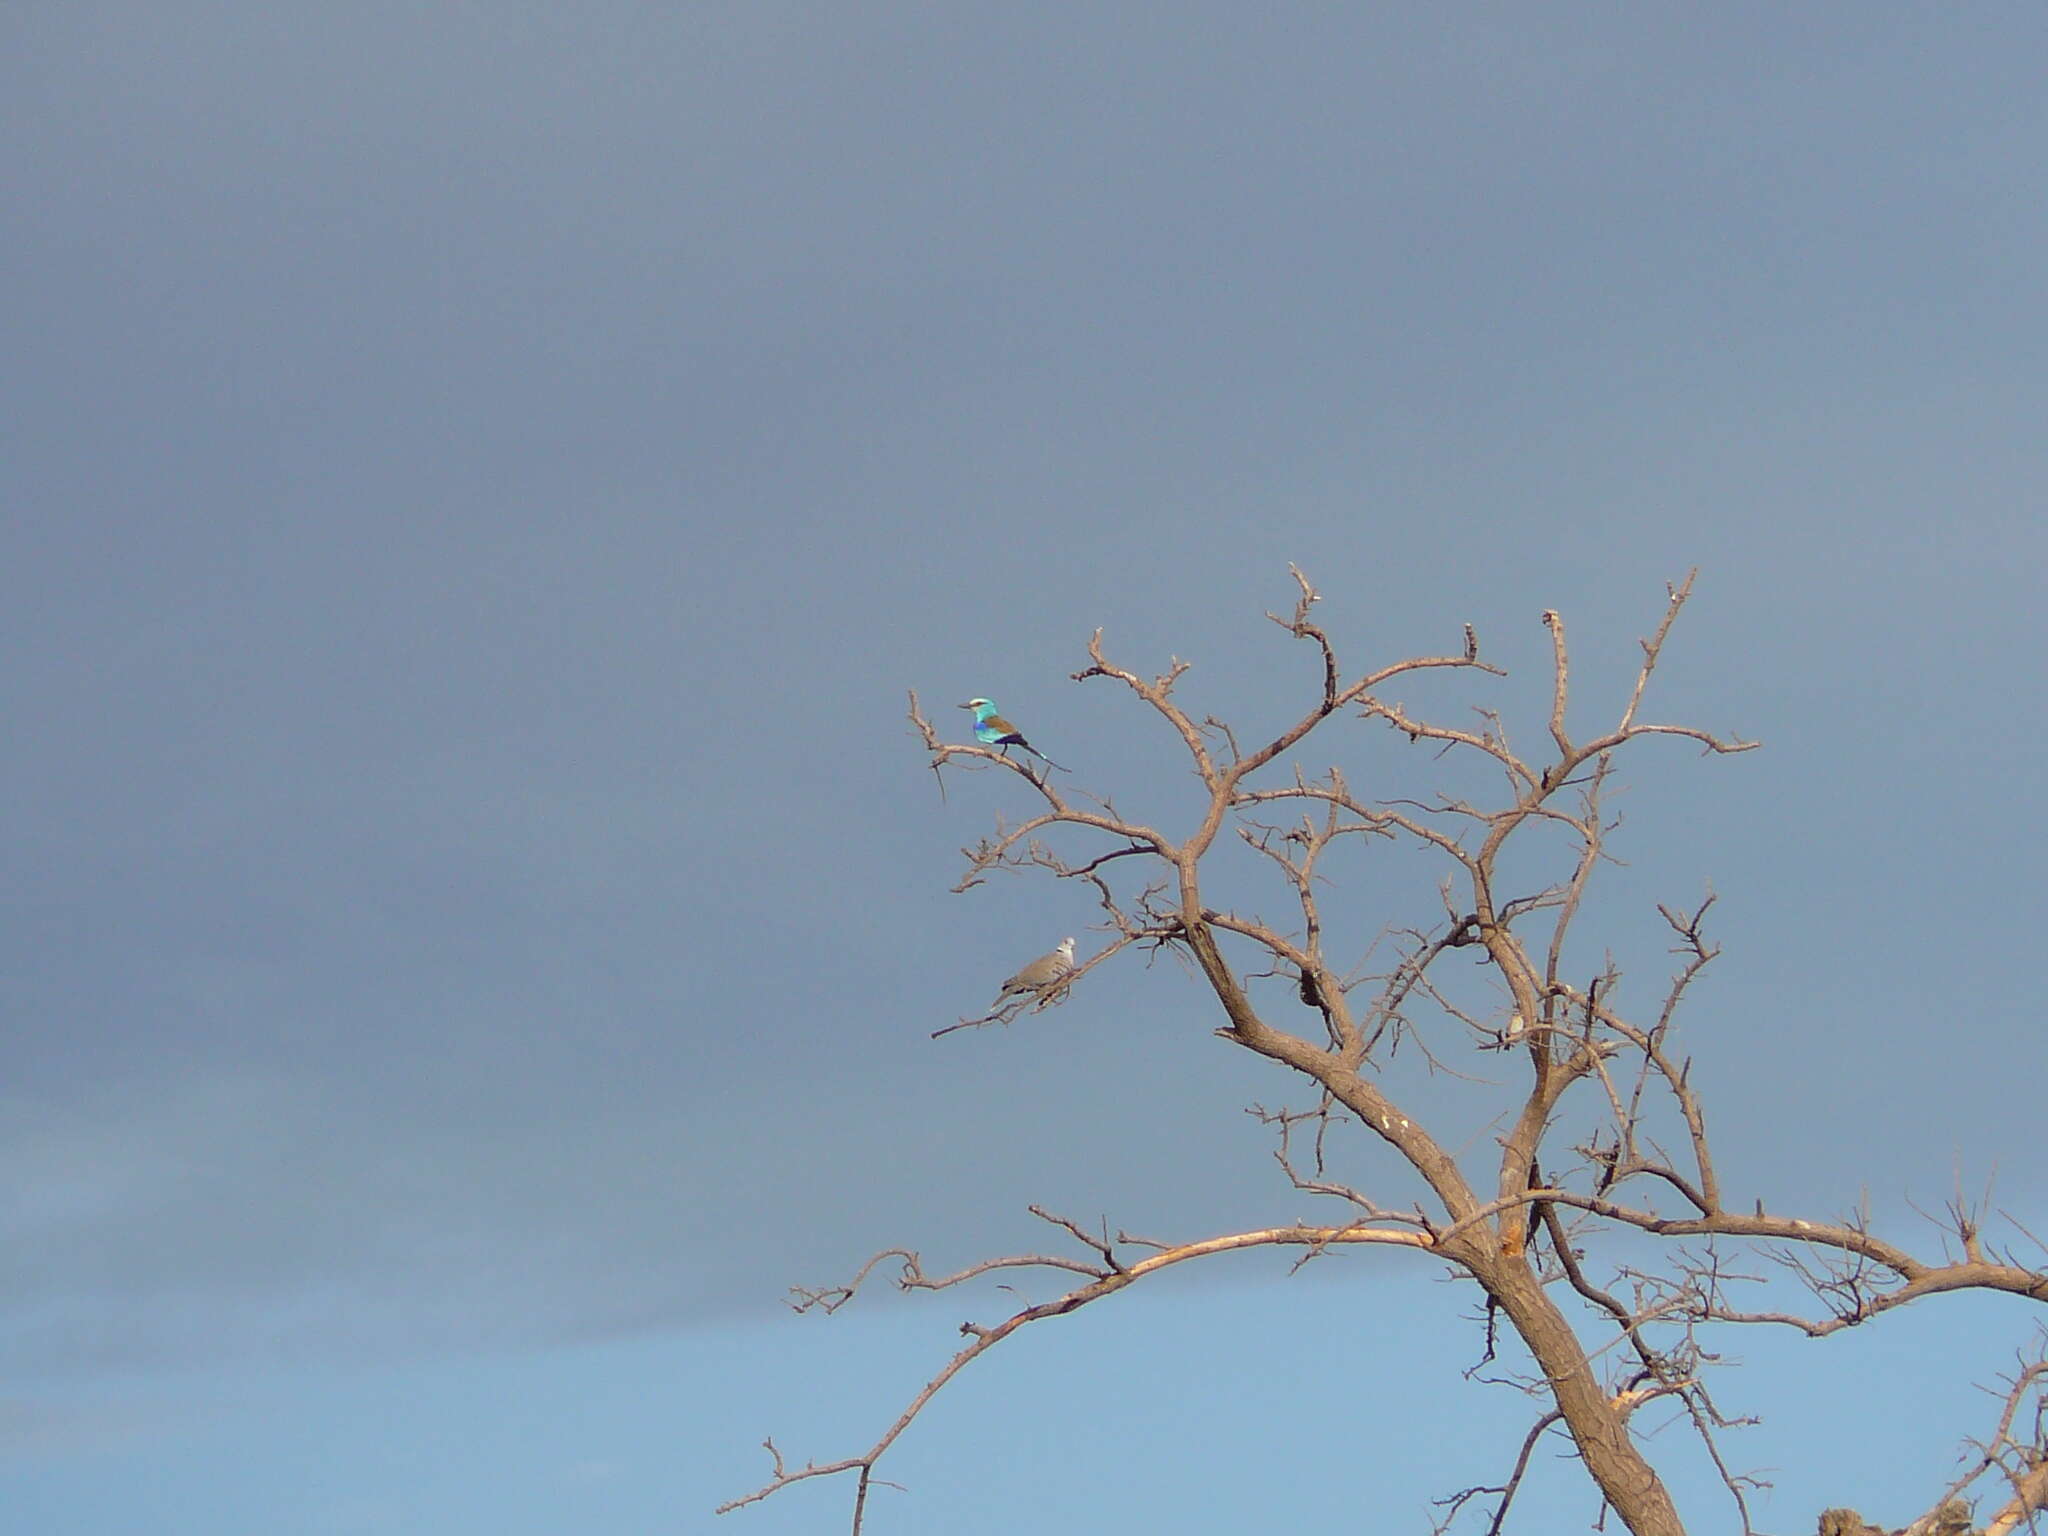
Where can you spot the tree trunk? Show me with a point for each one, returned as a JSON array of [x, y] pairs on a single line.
[[1599, 1429]]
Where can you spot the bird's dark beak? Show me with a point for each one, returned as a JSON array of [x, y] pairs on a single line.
[[963, 706]]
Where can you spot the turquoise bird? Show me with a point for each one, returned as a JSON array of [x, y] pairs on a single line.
[[992, 730]]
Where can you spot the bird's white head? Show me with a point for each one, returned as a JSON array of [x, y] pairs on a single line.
[[978, 704], [1067, 947]]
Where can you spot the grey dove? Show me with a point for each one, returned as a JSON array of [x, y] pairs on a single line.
[[1041, 973]]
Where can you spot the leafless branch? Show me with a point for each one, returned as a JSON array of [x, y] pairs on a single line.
[[1102, 1283]]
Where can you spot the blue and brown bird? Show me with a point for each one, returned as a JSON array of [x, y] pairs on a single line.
[[992, 730]]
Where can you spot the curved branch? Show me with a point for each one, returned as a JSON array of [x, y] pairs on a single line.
[[1102, 1285]]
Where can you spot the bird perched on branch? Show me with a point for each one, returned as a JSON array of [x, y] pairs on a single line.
[[1041, 975], [1042, 979], [992, 730]]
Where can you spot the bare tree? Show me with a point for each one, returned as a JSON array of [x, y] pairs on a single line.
[[1603, 1133]]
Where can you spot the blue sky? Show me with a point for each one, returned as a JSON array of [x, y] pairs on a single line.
[[479, 481]]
